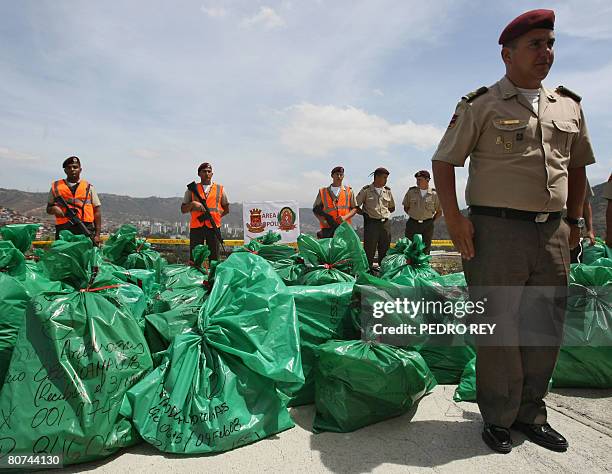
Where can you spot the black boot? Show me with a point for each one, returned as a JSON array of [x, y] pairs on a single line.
[[543, 435], [497, 438]]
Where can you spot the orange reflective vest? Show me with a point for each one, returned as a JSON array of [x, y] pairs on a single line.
[[79, 202], [213, 201], [338, 208]]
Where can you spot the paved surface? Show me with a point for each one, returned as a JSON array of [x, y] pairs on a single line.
[[438, 436]]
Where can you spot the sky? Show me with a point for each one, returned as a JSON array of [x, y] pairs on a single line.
[[273, 93]]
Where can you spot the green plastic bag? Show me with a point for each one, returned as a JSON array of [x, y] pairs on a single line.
[[266, 247], [125, 249], [406, 261], [291, 270], [74, 359], [216, 387], [13, 301], [334, 260], [182, 276], [585, 358], [283, 258], [445, 354], [28, 272], [360, 383], [590, 253], [22, 235], [179, 315], [323, 313], [466, 390]]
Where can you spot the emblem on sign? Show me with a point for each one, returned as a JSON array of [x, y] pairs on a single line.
[[286, 219], [255, 225]]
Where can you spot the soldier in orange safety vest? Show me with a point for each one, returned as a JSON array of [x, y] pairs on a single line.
[[201, 231], [80, 196], [334, 204]]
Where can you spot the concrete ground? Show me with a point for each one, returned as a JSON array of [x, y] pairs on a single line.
[[438, 436]]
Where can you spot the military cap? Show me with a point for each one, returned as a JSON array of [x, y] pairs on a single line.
[[71, 160], [337, 169], [380, 170], [423, 174], [526, 22], [204, 166]]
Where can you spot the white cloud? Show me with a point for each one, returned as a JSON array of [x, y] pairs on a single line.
[[146, 153], [214, 12], [318, 130], [13, 155], [590, 20], [266, 17], [378, 92]]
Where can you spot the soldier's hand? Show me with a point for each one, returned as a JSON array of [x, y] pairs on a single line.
[[197, 206], [591, 237], [574, 237], [57, 211], [342, 219], [97, 240], [461, 233]]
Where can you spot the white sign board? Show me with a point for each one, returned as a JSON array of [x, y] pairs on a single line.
[[259, 217]]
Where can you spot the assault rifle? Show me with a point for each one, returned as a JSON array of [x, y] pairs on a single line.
[[73, 218], [206, 215], [318, 211]]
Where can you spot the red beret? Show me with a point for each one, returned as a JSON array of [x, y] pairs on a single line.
[[526, 22], [203, 166], [380, 170], [71, 160]]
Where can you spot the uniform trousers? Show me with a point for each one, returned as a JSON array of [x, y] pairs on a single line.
[[425, 228], [513, 368], [204, 235], [376, 236]]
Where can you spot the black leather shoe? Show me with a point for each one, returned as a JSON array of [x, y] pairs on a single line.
[[543, 435], [497, 438]]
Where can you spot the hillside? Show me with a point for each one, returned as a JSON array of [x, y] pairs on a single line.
[[119, 209]]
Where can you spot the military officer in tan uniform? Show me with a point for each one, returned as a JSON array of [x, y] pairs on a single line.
[[608, 195], [528, 147], [422, 205], [376, 204]]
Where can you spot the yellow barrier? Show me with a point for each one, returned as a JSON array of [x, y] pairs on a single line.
[[231, 243]]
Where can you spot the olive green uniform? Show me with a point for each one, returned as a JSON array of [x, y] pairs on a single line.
[[517, 186], [421, 212]]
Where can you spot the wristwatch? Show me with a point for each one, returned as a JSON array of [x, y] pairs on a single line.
[[576, 222]]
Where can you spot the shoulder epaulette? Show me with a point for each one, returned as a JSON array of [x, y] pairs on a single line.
[[387, 188], [569, 93], [365, 187], [433, 189], [477, 93], [412, 187]]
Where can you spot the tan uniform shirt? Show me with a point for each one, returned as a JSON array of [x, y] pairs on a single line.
[[421, 207], [95, 200], [518, 159], [224, 202], [352, 204], [377, 206], [607, 192]]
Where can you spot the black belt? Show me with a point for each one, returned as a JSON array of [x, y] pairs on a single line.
[[420, 221], [377, 220], [539, 217]]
